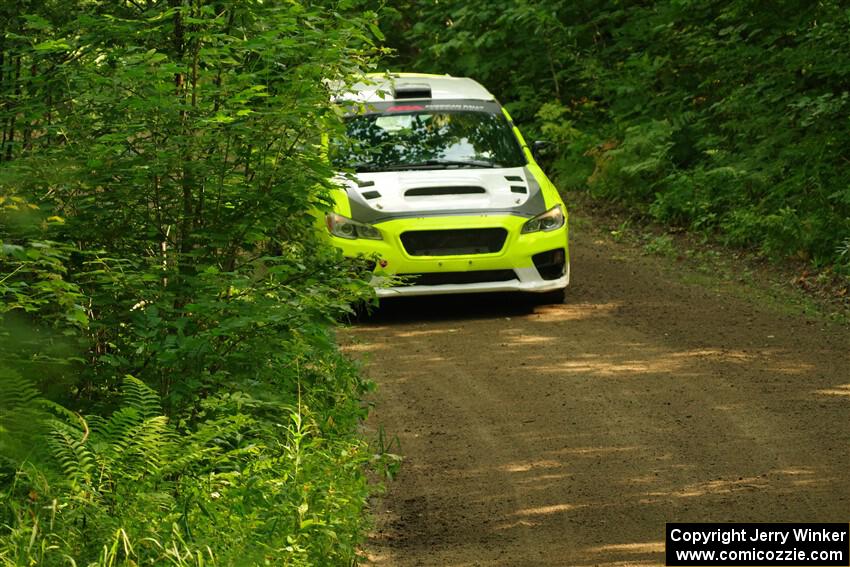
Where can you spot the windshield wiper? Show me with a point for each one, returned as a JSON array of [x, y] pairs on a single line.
[[439, 163], [368, 167], [427, 164]]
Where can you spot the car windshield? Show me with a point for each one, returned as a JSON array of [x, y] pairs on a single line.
[[427, 140]]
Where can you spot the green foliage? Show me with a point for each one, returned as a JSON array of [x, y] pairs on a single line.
[[170, 391], [843, 251], [661, 245], [574, 163], [273, 491], [723, 117], [636, 168]]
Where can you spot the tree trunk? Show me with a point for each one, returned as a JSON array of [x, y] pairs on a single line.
[[10, 138]]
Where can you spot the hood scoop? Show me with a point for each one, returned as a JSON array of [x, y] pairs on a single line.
[[411, 90], [522, 189], [378, 196], [437, 191]]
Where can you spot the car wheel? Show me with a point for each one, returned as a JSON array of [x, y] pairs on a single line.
[[556, 297]]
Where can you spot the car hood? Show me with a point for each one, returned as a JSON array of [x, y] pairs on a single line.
[[381, 196]]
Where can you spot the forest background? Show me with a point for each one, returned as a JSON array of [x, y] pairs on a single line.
[[726, 118]]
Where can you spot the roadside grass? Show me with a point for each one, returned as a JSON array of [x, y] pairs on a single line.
[[788, 286]]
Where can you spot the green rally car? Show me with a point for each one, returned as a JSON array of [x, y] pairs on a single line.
[[446, 192]]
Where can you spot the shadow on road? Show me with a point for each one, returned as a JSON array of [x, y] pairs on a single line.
[[450, 308]]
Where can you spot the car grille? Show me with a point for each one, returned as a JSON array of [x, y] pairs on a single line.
[[454, 242], [436, 191], [443, 278]]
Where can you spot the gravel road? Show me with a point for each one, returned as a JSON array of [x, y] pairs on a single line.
[[569, 434]]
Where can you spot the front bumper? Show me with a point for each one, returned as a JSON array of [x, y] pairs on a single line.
[[517, 254], [530, 284]]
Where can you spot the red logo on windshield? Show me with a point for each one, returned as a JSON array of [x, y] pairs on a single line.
[[405, 108]]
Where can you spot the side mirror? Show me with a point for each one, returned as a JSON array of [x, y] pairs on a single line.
[[542, 149]]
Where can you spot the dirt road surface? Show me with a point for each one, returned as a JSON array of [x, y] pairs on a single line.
[[569, 434]]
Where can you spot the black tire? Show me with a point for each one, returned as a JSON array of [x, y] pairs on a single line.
[[556, 297]]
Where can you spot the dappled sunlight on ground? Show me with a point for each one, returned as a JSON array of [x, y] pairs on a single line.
[[840, 390], [589, 452], [521, 341], [574, 312], [629, 368], [542, 478], [644, 547], [550, 509], [569, 434], [424, 333], [525, 467], [364, 347], [718, 486]]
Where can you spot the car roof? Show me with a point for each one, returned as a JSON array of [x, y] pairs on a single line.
[[388, 87]]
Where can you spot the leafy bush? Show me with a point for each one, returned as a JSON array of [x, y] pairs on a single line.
[[170, 391], [573, 164], [636, 168], [237, 489]]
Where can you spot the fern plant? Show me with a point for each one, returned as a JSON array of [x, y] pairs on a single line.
[[255, 481], [105, 474]]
